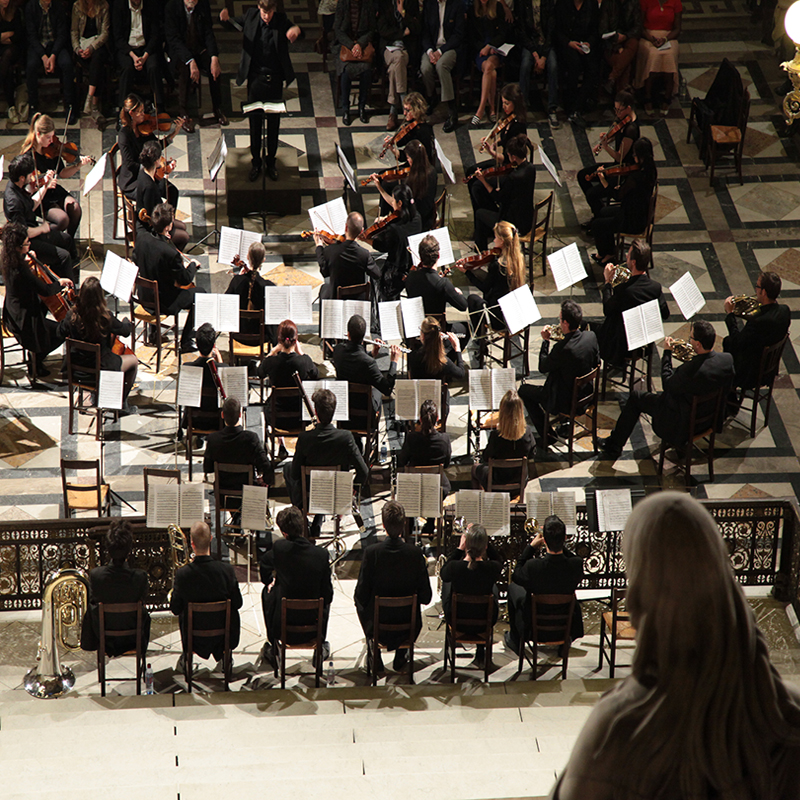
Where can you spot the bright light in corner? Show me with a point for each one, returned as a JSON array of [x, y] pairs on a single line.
[[792, 22]]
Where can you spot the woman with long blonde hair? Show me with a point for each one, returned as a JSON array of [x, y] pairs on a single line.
[[704, 714]]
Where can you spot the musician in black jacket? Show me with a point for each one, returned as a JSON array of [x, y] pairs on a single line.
[[250, 286], [671, 409], [392, 568], [427, 447], [575, 355], [638, 289], [345, 263], [139, 47], [265, 65], [768, 326]]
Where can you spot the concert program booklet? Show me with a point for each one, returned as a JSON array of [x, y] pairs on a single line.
[[336, 314], [541, 505], [613, 508], [235, 242], [174, 504], [287, 302], [109, 393], [643, 324], [118, 276], [190, 387], [409, 395], [420, 494], [442, 235], [339, 389], [401, 319], [519, 309], [330, 492], [235, 383], [490, 509], [487, 387], [687, 295], [566, 266], [254, 508], [330, 217]]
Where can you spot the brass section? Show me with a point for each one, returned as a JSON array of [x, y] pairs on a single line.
[[621, 275], [745, 306], [556, 334], [683, 350]]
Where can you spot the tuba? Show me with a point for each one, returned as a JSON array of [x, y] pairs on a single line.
[[64, 603], [621, 275], [683, 350], [745, 306], [556, 334]]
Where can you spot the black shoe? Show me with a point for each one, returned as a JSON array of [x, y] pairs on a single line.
[[363, 116], [346, 118], [268, 655], [255, 171], [576, 118], [42, 371], [608, 450], [450, 124], [400, 659], [587, 226], [272, 172], [508, 641], [380, 667], [188, 347], [316, 527]]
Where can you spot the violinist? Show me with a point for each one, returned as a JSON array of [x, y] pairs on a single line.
[[49, 244], [61, 208], [512, 198], [90, 321], [249, 285], [414, 108], [210, 400], [620, 148], [24, 314], [149, 183]]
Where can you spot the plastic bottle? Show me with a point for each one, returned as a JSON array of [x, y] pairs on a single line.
[[330, 677], [148, 680], [384, 453]]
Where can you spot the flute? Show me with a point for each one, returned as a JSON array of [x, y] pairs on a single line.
[[381, 343]]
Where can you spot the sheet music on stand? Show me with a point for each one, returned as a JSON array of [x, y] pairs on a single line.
[[549, 166], [254, 507], [519, 309], [643, 324], [2, 165], [442, 235], [346, 169], [401, 319], [235, 242], [613, 508], [409, 395], [336, 314], [95, 174], [447, 164], [420, 494], [487, 387], [109, 392], [288, 302], [174, 504], [217, 157], [340, 390], [267, 106], [235, 383], [687, 295], [220, 310], [330, 216], [541, 505], [118, 276], [190, 387], [330, 492], [566, 266], [490, 509]]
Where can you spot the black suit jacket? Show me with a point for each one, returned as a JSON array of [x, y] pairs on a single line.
[[514, 196], [391, 568], [159, 260], [575, 355], [148, 196], [58, 21], [346, 264], [454, 25], [426, 450], [354, 364], [234, 445], [277, 28], [436, 292], [113, 584], [639, 289], [767, 327], [327, 446], [151, 27], [206, 580], [176, 29]]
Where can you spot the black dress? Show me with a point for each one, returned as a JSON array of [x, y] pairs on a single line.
[[452, 370], [251, 296], [393, 240], [55, 197], [498, 447], [280, 370], [71, 328]]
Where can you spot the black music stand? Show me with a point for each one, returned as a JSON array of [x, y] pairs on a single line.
[[263, 213], [215, 163]]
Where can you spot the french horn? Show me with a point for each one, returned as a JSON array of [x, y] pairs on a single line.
[[745, 306], [621, 275], [556, 334], [683, 350]]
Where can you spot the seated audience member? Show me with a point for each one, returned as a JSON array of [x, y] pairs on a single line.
[[205, 580], [768, 326], [487, 30], [705, 714], [671, 408], [558, 572], [12, 49], [91, 29], [116, 583], [575, 355], [534, 22], [512, 438], [296, 569], [398, 30], [355, 28], [392, 568], [657, 59], [624, 19]]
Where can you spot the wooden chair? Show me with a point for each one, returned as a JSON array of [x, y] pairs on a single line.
[[200, 422], [514, 488], [283, 422], [624, 239], [542, 212], [83, 381], [195, 610], [228, 500], [549, 628], [313, 636], [84, 495], [379, 627], [455, 633], [363, 419], [767, 372], [702, 425], [163, 475], [248, 345], [729, 139], [128, 224], [440, 206], [10, 344], [632, 370], [615, 626], [337, 542], [582, 405], [514, 345], [146, 308], [116, 610]]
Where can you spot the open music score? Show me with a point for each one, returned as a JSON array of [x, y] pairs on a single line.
[[409, 395], [490, 509], [254, 507], [487, 387], [519, 309], [235, 242], [336, 314], [442, 235], [566, 266], [447, 164], [109, 392], [401, 319], [340, 391], [288, 302], [118, 276], [687, 295], [613, 508], [190, 387], [235, 383], [330, 492], [541, 505], [330, 216], [643, 324], [420, 494], [220, 310], [174, 504]]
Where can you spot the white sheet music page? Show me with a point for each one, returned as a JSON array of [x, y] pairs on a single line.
[[687, 295], [191, 504], [520, 309], [565, 508], [163, 505], [109, 393], [538, 505], [613, 508], [442, 235], [118, 276], [343, 492], [353, 307], [300, 300], [495, 513], [321, 492], [480, 390], [549, 166], [430, 496], [409, 493], [254, 507], [447, 164], [567, 266], [230, 245], [503, 380], [346, 167], [220, 310], [340, 391], [333, 324], [95, 174], [217, 157], [330, 216], [248, 238], [235, 383], [633, 320], [391, 321], [405, 400], [190, 386], [276, 304], [468, 504], [428, 389], [413, 313]]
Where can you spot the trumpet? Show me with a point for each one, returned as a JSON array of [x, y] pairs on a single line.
[[745, 306], [460, 525], [532, 526], [683, 350], [556, 334], [621, 275]]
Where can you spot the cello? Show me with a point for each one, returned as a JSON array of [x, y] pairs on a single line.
[[57, 304]]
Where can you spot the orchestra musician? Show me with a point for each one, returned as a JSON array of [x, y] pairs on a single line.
[[422, 181], [159, 260], [89, 320], [24, 315], [512, 122], [512, 198], [206, 338], [249, 284], [61, 208], [414, 108]]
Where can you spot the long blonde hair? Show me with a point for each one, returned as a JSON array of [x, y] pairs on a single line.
[[511, 258], [487, 10], [40, 124], [511, 416]]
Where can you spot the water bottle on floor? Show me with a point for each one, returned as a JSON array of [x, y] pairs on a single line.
[[148, 680], [330, 676]]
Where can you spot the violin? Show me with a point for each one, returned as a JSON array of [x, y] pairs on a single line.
[[479, 259], [327, 236], [57, 304], [377, 226], [164, 168], [401, 133], [158, 123], [69, 152], [239, 263], [612, 131], [610, 172], [444, 272], [498, 128], [389, 175], [492, 172]]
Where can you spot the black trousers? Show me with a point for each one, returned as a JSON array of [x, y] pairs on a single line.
[[638, 403], [128, 73], [264, 87], [184, 301], [64, 68], [532, 397], [203, 61], [54, 250]]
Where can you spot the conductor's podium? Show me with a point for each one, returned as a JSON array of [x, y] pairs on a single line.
[[279, 197]]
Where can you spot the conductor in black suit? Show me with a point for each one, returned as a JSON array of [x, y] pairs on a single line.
[[265, 65], [639, 289], [575, 355], [559, 571], [392, 568], [205, 580], [294, 568], [323, 446], [671, 409], [345, 263], [769, 325], [116, 583]]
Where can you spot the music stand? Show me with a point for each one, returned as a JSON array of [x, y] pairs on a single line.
[[348, 175], [215, 161], [94, 177], [266, 108]]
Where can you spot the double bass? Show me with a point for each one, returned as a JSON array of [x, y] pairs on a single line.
[[57, 304]]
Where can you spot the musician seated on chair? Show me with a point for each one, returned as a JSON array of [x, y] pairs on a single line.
[[116, 583], [235, 445], [575, 355], [205, 580], [671, 409], [559, 571], [323, 446], [206, 338], [294, 568], [392, 568], [768, 326]]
